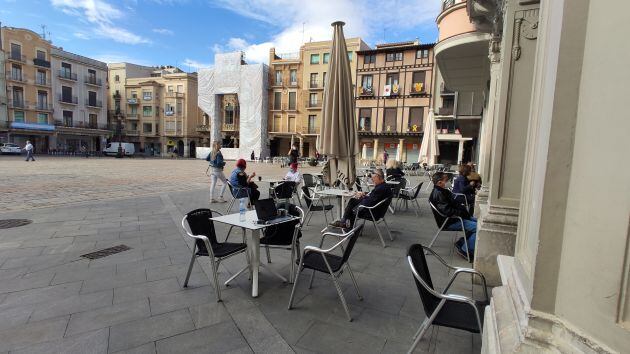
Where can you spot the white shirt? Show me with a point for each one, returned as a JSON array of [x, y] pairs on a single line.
[[28, 147], [292, 176]]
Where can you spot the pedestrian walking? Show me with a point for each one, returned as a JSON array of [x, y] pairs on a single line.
[[84, 151], [29, 151], [215, 158], [385, 157]]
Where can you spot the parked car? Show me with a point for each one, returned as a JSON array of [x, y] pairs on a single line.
[[112, 149], [10, 148]]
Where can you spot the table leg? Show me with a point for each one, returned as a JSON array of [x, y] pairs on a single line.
[[254, 246], [341, 206]]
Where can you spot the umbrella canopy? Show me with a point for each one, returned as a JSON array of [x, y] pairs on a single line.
[[338, 132], [429, 147]]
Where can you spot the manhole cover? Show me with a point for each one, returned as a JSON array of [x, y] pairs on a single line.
[[106, 252], [10, 223]]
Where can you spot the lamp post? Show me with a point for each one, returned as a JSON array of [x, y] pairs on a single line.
[[118, 117]]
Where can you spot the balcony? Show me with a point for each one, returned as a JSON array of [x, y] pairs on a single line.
[[203, 128], [417, 88], [67, 75], [292, 83], [17, 57], [151, 133], [396, 90], [311, 130], [147, 98], [366, 91], [172, 132], [43, 106], [315, 85], [94, 103], [444, 91], [84, 125], [132, 132], [132, 100], [174, 95], [230, 127], [19, 104], [91, 80], [313, 104], [42, 63], [16, 76], [42, 82], [169, 113], [445, 111], [133, 116], [68, 99]]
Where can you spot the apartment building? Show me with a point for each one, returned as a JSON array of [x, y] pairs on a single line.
[[296, 89], [157, 108], [3, 99], [27, 72], [80, 114], [393, 97]]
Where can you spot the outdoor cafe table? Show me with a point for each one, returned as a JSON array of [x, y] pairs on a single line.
[[253, 245], [341, 196]]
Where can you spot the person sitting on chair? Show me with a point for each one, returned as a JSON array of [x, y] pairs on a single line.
[[463, 186], [293, 175], [380, 192], [393, 170], [444, 202], [239, 179]]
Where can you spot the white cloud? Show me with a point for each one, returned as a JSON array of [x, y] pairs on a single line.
[[194, 65], [304, 21], [120, 58], [102, 15], [81, 35], [163, 31]]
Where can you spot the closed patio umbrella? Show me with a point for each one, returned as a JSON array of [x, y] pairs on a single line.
[[338, 133], [429, 148]]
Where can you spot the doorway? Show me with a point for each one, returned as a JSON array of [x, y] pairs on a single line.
[[448, 152], [192, 151], [180, 148]]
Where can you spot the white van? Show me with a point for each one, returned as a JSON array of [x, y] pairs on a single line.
[[112, 149]]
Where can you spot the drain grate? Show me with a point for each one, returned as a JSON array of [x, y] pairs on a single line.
[[106, 252], [11, 223]]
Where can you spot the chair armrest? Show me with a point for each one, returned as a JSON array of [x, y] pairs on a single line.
[[471, 271], [372, 207], [439, 258]]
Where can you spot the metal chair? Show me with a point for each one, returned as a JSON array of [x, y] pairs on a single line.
[[314, 203], [285, 236], [411, 195], [443, 308], [237, 193], [309, 180], [284, 190], [375, 214], [323, 260], [201, 228], [437, 215]]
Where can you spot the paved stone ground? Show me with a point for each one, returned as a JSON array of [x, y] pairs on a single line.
[[52, 300]]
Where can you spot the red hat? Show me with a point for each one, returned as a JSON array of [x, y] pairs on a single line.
[[241, 163], [294, 165]]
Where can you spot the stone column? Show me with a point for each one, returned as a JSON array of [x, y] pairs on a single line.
[[375, 151], [401, 143], [302, 153], [460, 151]]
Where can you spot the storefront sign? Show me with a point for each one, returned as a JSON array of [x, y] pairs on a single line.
[[30, 126]]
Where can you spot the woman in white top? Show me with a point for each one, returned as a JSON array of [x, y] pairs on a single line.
[[293, 175], [215, 158]]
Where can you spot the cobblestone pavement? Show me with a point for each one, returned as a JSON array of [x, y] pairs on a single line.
[[53, 301], [51, 181]]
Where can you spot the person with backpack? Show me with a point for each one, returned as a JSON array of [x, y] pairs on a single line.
[[215, 158]]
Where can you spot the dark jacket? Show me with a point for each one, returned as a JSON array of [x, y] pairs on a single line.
[[462, 185], [443, 201], [394, 172], [293, 156], [378, 194]]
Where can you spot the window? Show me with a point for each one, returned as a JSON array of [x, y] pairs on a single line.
[[147, 95], [278, 77], [291, 123], [134, 110], [170, 88], [366, 82], [170, 126], [133, 126], [40, 54], [277, 100], [293, 76], [313, 83], [16, 72], [180, 108], [180, 88], [147, 111], [324, 79], [92, 75], [326, 58], [391, 79], [277, 120], [117, 78], [422, 53], [314, 58], [93, 120], [42, 100], [42, 118], [365, 119], [389, 123], [147, 127], [134, 94], [394, 56], [18, 97], [92, 98], [228, 117], [67, 118], [415, 119], [18, 116], [369, 59], [40, 77], [66, 70], [350, 56], [311, 124], [66, 94], [169, 110], [292, 96], [312, 100], [16, 51]]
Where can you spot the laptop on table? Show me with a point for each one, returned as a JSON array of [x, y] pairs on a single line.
[[267, 212]]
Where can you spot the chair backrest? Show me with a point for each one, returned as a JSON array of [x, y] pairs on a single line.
[[353, 239], [285, 190], [307, 196], [282, 234], [418, 261], [380, 211], [199, 223], [309, 180], [357, 183], [439, 217], [415, 195], [230, 187]]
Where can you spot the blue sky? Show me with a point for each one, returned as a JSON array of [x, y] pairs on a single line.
[[188, 33]]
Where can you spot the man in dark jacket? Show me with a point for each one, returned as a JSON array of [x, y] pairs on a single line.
[[380, 192], [444, 202]]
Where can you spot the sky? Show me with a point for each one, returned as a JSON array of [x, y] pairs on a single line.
[[187, 33]]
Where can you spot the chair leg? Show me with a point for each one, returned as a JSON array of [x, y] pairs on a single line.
[[354, 281], [215, 276], [229, 208], [190, 266], [425, 325], [295, 281], [379, 234], [341, 297], [466, 243], [268, 254], [310, 283], [388, 231]]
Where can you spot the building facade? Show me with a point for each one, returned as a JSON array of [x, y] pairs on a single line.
[[393, 97], [295, 94], [157, 109], [80, 102], [29, 93], [4, 121]]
